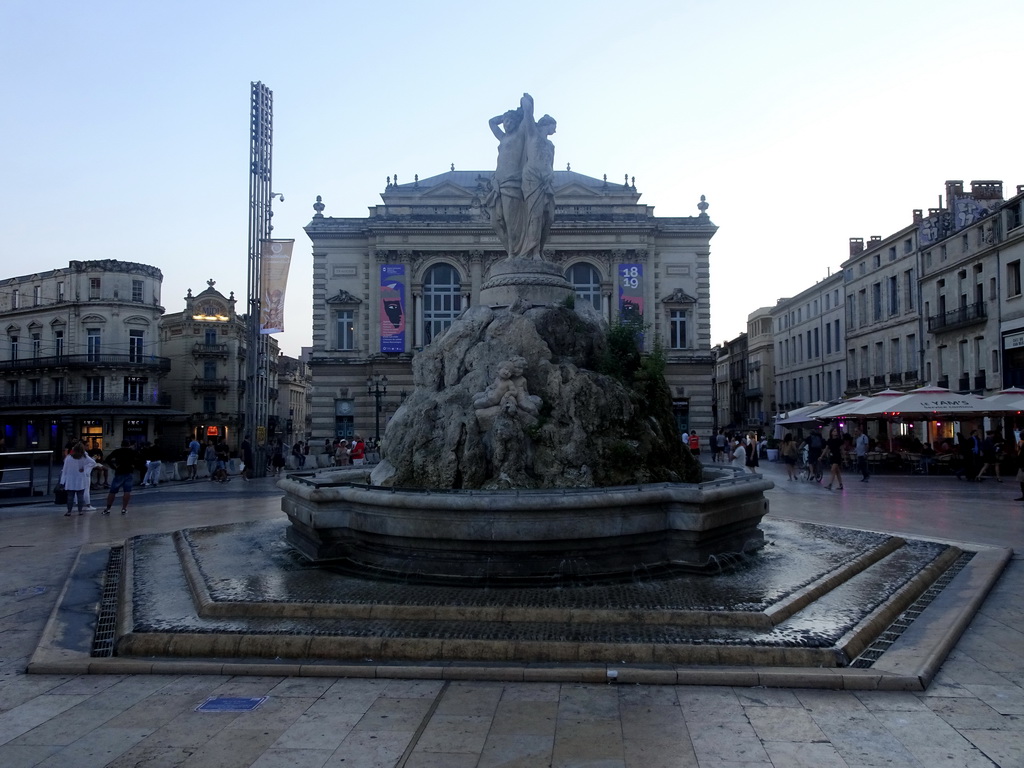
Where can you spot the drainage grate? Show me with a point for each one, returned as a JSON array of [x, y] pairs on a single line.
[[106, 621], [893, 632], [231, 704]]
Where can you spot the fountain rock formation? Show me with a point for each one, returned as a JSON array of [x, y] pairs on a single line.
[[518, 398]]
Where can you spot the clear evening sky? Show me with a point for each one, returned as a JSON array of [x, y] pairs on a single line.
[[125, 125]]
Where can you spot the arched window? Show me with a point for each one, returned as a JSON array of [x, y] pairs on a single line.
[[586, 282], [442, 300]]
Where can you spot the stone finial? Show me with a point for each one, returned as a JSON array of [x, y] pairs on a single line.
[[319, 206], [632, 183], [626, 184], [568, 166], [606, 179], [396, 179], [453, 166], [389, 181], [231, 296], [189, 294], [702, 206], [416, 179], [211, 282]]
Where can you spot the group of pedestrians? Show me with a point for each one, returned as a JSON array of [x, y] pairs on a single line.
[[816, 453], [76, 476]]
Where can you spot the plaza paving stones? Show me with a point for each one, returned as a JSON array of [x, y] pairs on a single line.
[[968, 715]]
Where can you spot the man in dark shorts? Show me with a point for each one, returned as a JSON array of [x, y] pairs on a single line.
[[124, 461]]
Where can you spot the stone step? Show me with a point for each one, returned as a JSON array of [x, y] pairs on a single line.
[[235, 591]]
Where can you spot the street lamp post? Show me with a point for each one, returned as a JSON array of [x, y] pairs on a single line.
[[376, 387]]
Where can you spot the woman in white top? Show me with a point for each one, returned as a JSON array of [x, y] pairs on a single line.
[[75, 476]]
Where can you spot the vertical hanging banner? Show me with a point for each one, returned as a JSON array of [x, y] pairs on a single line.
[[275, 259], [392, 308], [631, 293]]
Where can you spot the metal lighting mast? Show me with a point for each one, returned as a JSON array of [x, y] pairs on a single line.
[[260, 198]]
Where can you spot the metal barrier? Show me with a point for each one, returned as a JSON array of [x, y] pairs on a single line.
[[23, 470]]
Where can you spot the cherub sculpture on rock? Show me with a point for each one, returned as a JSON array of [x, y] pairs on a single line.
[[507, 394]]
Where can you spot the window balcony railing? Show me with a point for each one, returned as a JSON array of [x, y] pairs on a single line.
[[85, 398], [754, 393], [970, 314], [209, 350], [895, 378], [878, 381], [209, 385], [96, 360], [909, 376]]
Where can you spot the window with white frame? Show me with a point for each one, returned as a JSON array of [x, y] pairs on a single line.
[[137, 291], [136, 346], [94, 387], [14, 347], [93, 338], [586, 283], [442, 300], [677, 329], [345, 325], [134, 389], [1013, 278], [37, 295], [94, 287], [58, 343]]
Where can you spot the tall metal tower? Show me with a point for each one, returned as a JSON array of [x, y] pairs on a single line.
[[261, 151]]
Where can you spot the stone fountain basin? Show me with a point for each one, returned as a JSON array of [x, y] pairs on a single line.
[[524, 536]]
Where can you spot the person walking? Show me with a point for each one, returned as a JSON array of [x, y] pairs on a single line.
[[739, 453], [151, 453], [246, 458], [210, 457], [751, 448], [76, 476], [719, 446], [192, 461], [277, 457], [357, 451], [860, 450], [834, 449], [789, 455], [991, 448], [1019, 461], [124, 461], [341, 454], [815, 446]]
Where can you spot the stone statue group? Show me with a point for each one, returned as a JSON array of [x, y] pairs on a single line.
[[521, 200]]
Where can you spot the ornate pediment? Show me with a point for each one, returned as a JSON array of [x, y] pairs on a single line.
[[344, 297], [679, 296]]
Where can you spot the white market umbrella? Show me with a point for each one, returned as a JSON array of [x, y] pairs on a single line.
[[806, 414], [1005, 401], [929, 402], [839, 409], [870, 405]]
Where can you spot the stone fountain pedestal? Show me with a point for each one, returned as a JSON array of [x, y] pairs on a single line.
[[537, 536]]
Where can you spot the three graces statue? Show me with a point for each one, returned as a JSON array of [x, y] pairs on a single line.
[[521, 200]]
